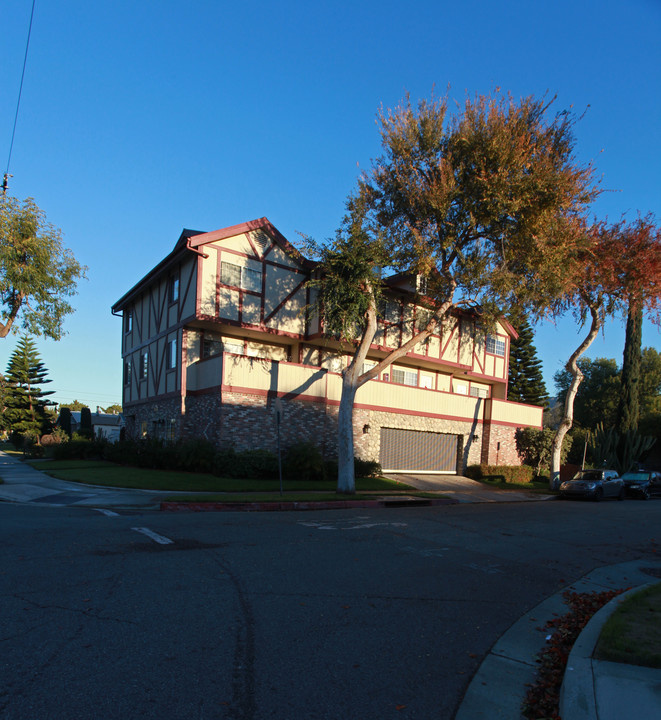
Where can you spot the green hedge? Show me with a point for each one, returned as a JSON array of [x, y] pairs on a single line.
[[301, 461], [502, 473]]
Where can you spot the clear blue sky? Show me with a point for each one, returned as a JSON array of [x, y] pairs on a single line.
[[141, 118]]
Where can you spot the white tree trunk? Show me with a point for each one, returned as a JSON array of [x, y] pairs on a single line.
[[346, 482], [577, 377]]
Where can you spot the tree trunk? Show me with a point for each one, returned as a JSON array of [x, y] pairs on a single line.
[[577, 376], [346, 482]]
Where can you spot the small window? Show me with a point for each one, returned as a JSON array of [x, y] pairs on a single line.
[[404, 377], [128, 321], [172, 354], [495, 345], [367, 366], [143, 429], [127, 372], [211, 347], [251, 280], [173, 289], [422, 284], [144, 365], [239, 276]]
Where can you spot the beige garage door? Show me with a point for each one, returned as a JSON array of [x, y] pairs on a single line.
[[418, 451]]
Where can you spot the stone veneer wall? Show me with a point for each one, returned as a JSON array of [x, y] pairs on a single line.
[[247, 421], [507, 454]]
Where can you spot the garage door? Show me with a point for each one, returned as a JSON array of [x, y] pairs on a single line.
[[418, 451]]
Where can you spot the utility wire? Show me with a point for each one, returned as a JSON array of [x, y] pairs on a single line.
[[5, 180]]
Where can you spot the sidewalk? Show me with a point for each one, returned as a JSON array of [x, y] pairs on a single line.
[[592, 689], [23, 484]]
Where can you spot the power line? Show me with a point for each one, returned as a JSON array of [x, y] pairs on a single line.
[[5, 180]]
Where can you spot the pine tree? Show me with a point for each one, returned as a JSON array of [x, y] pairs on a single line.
[[25, 403], [526, 384]]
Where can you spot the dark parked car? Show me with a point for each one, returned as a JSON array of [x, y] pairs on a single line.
[[642, 483], [594, 484]]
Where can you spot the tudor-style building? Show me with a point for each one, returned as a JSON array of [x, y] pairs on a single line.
[[218, 331]]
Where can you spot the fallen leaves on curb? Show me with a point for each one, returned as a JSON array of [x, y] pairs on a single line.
[[541, 701]]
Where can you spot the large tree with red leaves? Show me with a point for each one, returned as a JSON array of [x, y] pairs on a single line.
[[608, 266]]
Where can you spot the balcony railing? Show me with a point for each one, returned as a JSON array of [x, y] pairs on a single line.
[[290, 380]]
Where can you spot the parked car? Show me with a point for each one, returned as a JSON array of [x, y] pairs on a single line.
[[594, 484], [642, 483]]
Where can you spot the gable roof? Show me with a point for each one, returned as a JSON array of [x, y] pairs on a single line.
[[194, 241]]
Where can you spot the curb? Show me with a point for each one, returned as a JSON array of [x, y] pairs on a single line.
[[306, 505], [577, 693]]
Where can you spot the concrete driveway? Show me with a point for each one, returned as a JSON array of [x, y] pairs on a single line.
[[464, 489]]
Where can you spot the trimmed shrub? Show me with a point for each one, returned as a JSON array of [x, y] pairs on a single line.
[[303, 461], [367, 468], [501, 473], [256, 464]]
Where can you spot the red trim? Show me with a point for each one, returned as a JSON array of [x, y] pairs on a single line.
[[263, 302], [247, 326], [252, 245], [184, 297], [259, 224], [447, 342], [286, 300], [270, 263], [216, 310]]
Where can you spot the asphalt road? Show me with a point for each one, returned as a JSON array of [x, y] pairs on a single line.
[[317, 615]]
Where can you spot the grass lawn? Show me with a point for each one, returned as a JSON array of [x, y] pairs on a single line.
[[535, 486], [98, 472], [632, 634]]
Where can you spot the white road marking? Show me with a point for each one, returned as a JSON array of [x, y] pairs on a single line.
[[350, 524], [160, 539], [107, 513]]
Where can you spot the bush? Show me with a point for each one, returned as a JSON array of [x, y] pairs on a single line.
[[501, 473], [80, 449], [55, 438], [534, 447], [303, 461], [195, 455], [257, 464], [367, 468]]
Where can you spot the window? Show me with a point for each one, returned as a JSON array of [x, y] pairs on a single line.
[[427, 381], [128, 321], [479, 391], [240, 276], [404, 377], [367, 366], [143, 429], [144, 365], [211, 347], [251, 279], [127, 372], [421, 282], [173, 289], [172, 354], [495, 345]]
